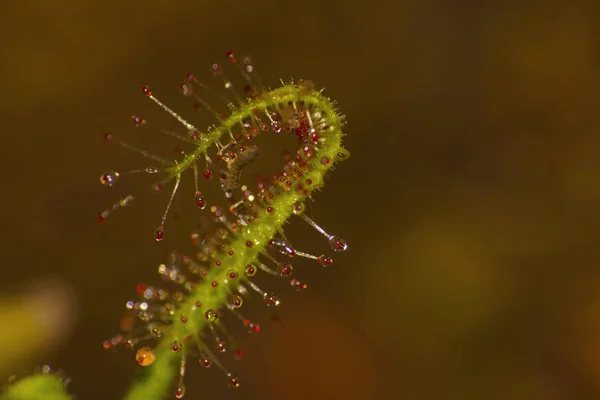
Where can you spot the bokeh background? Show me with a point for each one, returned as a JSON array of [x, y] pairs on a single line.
[[470, 201]]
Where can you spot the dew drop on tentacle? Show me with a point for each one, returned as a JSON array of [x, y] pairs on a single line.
[[102, 216], [337, 243], [145, 356], [109, 177], [248, 65], [234, 382], [298, 208], [204, 360], [237, 301], [271, 300], [307, 152], [186, 89], [252, 327], [194, 134], [169, 308], [211, 315], [216, 69], [156, 332], [324, 260], [175, 346], [299, 285], [159, 233], [232, 274], [200, 200], [125, 201], [285, 270], [250, 270], [180, 390], [276, 127], [137, 121], [231, 57]]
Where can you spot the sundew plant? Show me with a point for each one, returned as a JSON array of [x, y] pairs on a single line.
[[167, 328]]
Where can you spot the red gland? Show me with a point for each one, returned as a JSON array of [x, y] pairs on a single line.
[[159, 234]]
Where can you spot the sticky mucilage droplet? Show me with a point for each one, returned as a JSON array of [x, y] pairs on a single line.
[[109, 177], [145, 356]]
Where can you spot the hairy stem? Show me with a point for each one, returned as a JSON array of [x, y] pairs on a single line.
[[159, 376]]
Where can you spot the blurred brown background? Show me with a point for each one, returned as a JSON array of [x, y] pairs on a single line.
[[470, 202]]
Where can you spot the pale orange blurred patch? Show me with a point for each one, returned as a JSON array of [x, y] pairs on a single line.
[[542, 63], [63, 59], [439, 294], [316, 354]]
